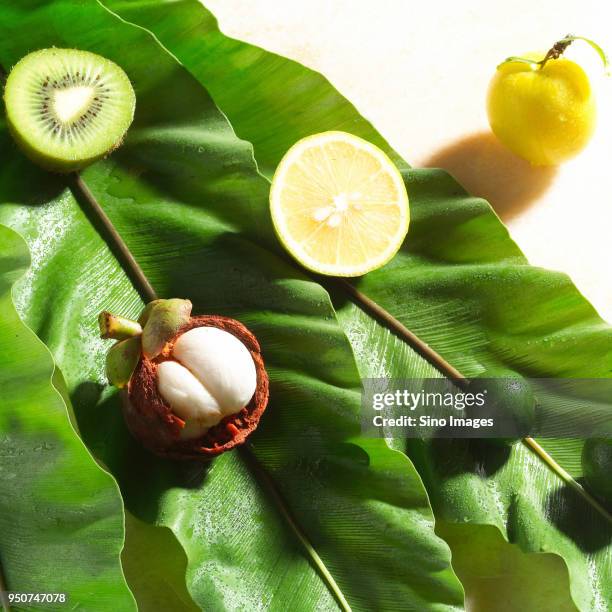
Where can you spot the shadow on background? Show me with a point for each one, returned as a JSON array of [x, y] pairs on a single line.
[[486, 169]]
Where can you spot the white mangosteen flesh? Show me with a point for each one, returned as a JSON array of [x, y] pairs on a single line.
[[187, 397], [212, 376]]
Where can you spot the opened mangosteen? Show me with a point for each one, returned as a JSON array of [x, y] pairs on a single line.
[[193, 386]]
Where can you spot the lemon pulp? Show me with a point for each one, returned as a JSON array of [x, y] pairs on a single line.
[[339, 204]]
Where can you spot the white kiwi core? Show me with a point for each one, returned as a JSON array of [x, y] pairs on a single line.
[[72, 103]]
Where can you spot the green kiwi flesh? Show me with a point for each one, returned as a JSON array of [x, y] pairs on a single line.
[[66, 108]]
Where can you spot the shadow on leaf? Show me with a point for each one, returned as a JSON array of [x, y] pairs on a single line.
[[141, 475], [488, 456], [41, 186], [583, 524]]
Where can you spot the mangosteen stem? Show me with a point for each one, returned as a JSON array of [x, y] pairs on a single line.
[[117, 327]]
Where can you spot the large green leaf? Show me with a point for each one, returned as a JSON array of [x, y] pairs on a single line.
[[459, 282], [499, 576], [478, 303], [271, 100], [57, 507], [185, 195], [155, 565]]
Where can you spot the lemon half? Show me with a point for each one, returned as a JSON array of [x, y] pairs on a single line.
[[339, 204]]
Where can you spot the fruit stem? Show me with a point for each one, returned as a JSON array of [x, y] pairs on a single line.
[[557, 50], [117, 327]]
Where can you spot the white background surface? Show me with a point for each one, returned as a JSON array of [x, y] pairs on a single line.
[[420, 70]]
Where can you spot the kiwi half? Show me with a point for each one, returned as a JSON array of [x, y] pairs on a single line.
[[66, 108]]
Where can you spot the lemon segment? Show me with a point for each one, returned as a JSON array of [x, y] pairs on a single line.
[[339, 204]]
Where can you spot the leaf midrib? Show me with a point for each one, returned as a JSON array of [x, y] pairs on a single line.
[[140, 281]]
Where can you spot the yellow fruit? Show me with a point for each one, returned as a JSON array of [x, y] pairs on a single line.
[[339, 204], [545, 114]]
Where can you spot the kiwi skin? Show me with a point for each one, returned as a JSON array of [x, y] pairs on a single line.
[[42, 149], [51, 164]]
